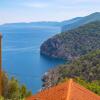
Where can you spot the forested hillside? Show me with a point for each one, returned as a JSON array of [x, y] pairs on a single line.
[[74, 43], [86, 68]]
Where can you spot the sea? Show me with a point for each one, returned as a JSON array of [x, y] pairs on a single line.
[[21, 54]]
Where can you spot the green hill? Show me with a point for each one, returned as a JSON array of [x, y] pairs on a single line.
[[74, 43]]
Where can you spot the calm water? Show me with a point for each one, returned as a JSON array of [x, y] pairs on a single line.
[[21, 54]]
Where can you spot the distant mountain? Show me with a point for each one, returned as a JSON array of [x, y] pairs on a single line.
[[41, 23], [73, 43], [31, 24], [63, 25], [81, 21], [71, 21]]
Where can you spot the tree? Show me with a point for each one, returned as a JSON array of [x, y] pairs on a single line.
[[12, 90]]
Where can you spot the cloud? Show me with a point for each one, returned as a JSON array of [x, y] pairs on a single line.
[[61, 4], [35, 5]]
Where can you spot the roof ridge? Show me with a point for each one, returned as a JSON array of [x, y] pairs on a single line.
[[66, 91], [83, 89], [69, 89]]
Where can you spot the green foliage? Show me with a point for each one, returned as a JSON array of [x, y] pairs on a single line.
[[87, 67], [12, 90], [1, 98], [24, 92]]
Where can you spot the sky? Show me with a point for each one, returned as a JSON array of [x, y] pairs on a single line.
[[12, 11]]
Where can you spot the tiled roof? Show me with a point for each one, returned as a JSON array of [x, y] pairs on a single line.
[[65, 91]]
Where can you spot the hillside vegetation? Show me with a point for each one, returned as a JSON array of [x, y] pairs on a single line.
[[86, 69], [74, 43]]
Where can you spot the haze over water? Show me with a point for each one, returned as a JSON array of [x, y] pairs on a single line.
[[21, 54]]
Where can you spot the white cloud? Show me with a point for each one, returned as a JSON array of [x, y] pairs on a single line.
[[60, 3], [35, 5]]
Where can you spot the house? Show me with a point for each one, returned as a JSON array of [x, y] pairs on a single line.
[[69, 90]]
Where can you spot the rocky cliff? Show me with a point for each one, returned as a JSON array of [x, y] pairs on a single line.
[[74, 43]]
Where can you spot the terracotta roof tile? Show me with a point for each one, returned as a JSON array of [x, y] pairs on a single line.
[[80, 93], [65, 91]]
